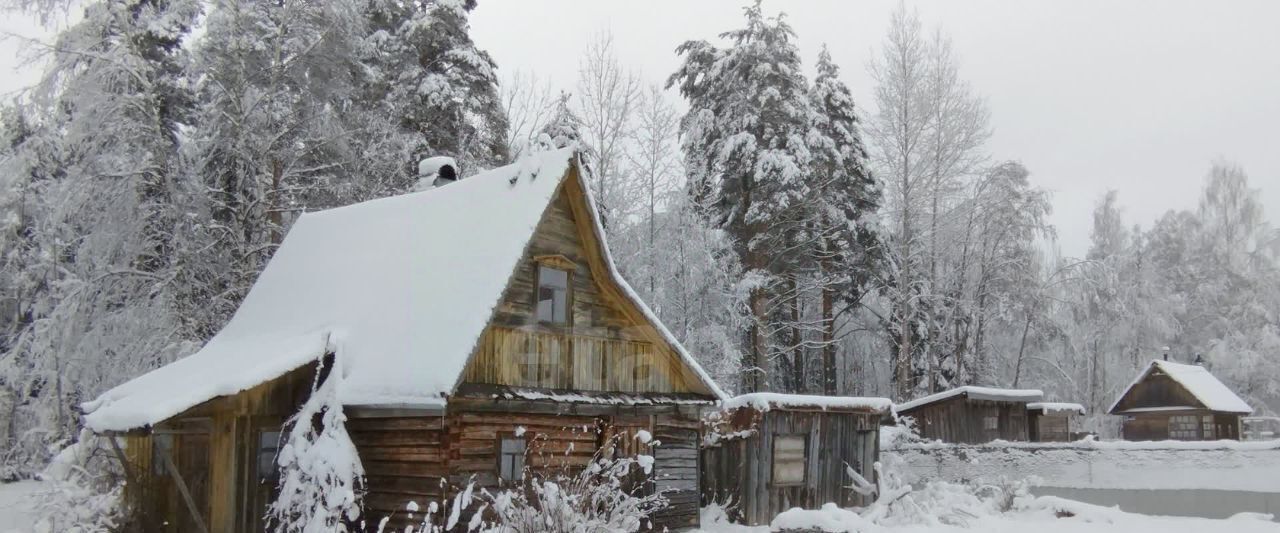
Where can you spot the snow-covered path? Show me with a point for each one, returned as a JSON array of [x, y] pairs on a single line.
[[15, 506]]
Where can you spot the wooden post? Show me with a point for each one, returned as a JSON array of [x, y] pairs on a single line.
[[186, 494]]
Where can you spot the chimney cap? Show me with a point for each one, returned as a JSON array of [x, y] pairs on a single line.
[[436, 171]]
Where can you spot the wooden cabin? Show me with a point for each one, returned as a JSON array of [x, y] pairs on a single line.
[[1175, 401], [480, 331], [972, 415], [765, 453], [1051, 421]]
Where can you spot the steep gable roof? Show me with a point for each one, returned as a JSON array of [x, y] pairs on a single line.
[[1197, 381], [399, 289]]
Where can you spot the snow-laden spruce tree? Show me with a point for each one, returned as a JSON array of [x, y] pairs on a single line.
[[847, 250], [422, 67], [745, 140], [321, 477]]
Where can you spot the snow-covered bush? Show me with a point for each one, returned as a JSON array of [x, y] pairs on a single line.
[[601, 498], [83, 485], [609, 495], [321, 478]]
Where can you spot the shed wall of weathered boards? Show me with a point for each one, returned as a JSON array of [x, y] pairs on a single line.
[[967, 421], [739, 470], [426, 459]]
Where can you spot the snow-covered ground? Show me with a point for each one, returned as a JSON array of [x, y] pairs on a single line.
[[16, 515], [1039, 515]]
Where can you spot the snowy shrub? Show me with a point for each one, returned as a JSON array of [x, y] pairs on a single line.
[[596, 499], [606, 496], [83, 485], [321, 478]]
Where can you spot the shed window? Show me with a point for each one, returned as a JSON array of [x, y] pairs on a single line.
[[553, 295], [511, 458], [161, 446], [991, 423], [268, 448], [1183, 427], [788, 459]]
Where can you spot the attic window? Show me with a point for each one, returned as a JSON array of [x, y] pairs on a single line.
[[553, 295]]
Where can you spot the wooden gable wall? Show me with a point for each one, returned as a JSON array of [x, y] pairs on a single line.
[[605, 333], [1157, 390]]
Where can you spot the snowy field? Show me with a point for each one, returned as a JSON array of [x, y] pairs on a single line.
[[15, 506], [949, 512], [1040, 517]]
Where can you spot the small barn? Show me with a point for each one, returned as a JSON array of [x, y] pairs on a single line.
[[479, 331], [1176, 401], [1051, 421], [972, 415], [765, 453]]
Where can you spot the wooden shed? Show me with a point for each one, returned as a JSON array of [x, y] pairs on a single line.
[[1175, 401], [480, 332], [1051, 421], [972, 415], [765, 453]]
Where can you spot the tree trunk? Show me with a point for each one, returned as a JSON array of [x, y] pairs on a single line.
[[829, 380], [797, 339]]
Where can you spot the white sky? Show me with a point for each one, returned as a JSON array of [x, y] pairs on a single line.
[[1137, 96], [1090, 95]]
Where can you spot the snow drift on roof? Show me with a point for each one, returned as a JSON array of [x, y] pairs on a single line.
[[763, 401], [399, 288], [1056, 407], [1213, 394], [977, 393]]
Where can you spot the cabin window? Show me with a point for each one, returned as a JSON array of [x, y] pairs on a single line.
[[991, 423], [511, 458], [553, 295], [1183, 427], [161, 446], [268, 448], [788, 459], [1208, 427]]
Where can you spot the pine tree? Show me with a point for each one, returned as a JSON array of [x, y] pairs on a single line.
[[745, 142], [431, 75], [844, 207]]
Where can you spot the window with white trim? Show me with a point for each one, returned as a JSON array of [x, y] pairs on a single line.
[[1183, 427]]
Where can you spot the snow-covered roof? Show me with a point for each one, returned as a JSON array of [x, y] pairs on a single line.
[[976, 393], [399, 289], [1056, 407], [1196, 379], [764, 401]]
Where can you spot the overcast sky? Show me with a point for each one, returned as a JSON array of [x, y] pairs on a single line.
[[1090, 95]]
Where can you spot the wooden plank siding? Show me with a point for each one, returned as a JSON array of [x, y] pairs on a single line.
[[960, 419], [739, 471], [536, 359]]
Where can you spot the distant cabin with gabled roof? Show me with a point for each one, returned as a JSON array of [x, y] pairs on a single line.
[[1176, 401], [479, 330], [972, 415]]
